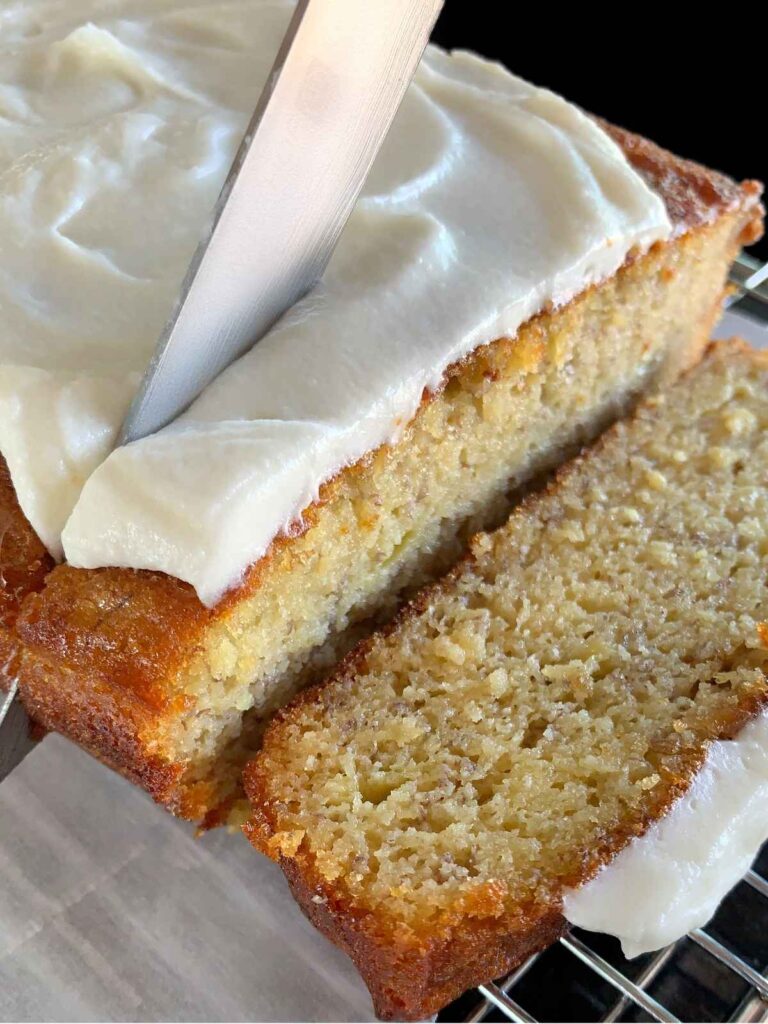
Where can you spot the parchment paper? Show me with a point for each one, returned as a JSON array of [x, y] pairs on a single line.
[[111, 910]]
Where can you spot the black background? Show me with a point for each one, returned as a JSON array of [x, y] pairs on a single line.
[[694, 84]]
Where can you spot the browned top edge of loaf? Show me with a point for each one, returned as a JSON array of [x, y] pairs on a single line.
[[24, 561], [693, 195], [24, 564], [411, 975], [110, 639]]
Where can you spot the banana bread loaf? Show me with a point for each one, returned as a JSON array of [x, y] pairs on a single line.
[[173, 694]]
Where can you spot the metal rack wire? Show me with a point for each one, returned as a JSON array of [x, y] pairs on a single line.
[[716, 973]]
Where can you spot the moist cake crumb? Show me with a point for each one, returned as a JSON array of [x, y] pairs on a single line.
[[531, 714]]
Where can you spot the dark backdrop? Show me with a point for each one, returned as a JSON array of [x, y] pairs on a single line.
[[693, 85]]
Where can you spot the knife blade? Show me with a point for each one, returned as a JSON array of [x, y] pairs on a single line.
[[339, 77]]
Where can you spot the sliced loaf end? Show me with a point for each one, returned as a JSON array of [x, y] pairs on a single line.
[[531, 714]]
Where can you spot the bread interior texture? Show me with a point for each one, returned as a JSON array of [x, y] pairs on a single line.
[[507, 415], [536, 710]]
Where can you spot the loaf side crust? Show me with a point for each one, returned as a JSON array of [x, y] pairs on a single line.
[[24, 565]]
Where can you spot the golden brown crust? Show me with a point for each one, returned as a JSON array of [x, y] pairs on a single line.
[[106, 643], [132, 628], [110, 722], [694, 195], [24, 562], [101, 650]]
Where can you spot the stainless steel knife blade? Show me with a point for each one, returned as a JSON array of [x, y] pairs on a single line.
[[334, 89]]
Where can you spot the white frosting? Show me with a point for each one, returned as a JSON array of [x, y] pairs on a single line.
[[490, 201], [118, 122], [671, 879]]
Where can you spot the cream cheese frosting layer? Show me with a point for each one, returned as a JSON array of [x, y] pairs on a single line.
[[490, 201], [671, 879]]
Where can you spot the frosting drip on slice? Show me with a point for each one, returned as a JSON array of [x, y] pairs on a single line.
[[670, 880]]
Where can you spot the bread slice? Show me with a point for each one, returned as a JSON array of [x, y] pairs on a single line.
[[174, 695], [529, 715]]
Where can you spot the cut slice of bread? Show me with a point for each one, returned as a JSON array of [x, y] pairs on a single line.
[[532, 713], [175, 695]]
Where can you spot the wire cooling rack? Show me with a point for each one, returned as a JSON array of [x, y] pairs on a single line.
[[717, 973]]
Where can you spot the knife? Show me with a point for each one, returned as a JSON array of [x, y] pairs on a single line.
[[339, 77]]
